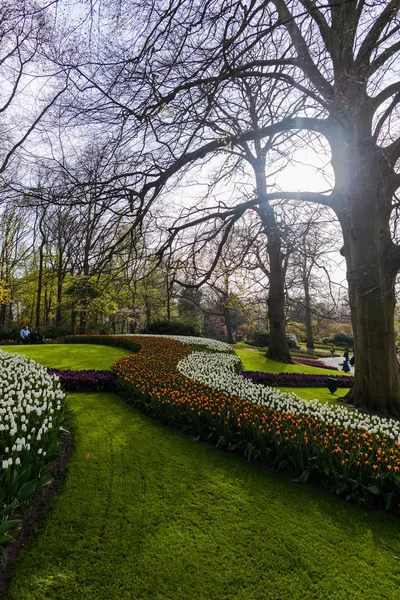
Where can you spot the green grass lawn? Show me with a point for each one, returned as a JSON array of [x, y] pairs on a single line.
[[147, 513], [71, 356], [256, 361], [321, 394]]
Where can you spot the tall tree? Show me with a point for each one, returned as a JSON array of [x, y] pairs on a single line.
[[344, 57]]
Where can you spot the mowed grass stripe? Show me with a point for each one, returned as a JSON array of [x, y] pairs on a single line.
[[71, 356], [147, 513]]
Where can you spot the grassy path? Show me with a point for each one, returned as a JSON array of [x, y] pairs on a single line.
[[148, 514]]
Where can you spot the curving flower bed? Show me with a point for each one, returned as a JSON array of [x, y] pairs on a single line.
[[32, 411], [295, 379], [89, 379], [356, 455]]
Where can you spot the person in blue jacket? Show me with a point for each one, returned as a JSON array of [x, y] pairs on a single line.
[[345, 366], [24, 334]]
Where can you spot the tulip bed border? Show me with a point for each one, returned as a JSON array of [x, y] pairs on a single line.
[[295, 379], [85, 380]]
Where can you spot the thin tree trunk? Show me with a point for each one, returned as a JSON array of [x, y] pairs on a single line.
[[168, 292], [39, 289], [73, 321], [308, 315], [3, 314], [278, 348], [83, 322], [60, 278]]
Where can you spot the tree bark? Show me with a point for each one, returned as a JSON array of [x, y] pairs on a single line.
[[3, 315], [228, 325], [39, 290], [308, 316], [83, 321], [372, 265], [60, 279], [278, 348]]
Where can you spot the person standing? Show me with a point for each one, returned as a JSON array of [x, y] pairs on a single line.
[[24, 334], [332, 352]]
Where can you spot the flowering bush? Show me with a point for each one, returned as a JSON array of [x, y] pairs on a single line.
[[31, 414], [295, 379], [104, 381], [356, 455]]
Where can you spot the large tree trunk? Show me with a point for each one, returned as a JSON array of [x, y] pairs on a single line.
[[278, 348], [372, 264]]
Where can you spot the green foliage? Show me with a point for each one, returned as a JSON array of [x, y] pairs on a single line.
[[147, 513], [9, 333], [341, 337], [173, 328], [5, 292], [52, 332], [83, 289], [260, 338]]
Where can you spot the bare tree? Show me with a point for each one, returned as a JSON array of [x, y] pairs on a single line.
[[26, 33], [343, 57]]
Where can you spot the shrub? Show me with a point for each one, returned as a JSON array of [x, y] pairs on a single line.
[[341, 337], [100, 329], [261, 338], [9, 333], [173, 328]]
